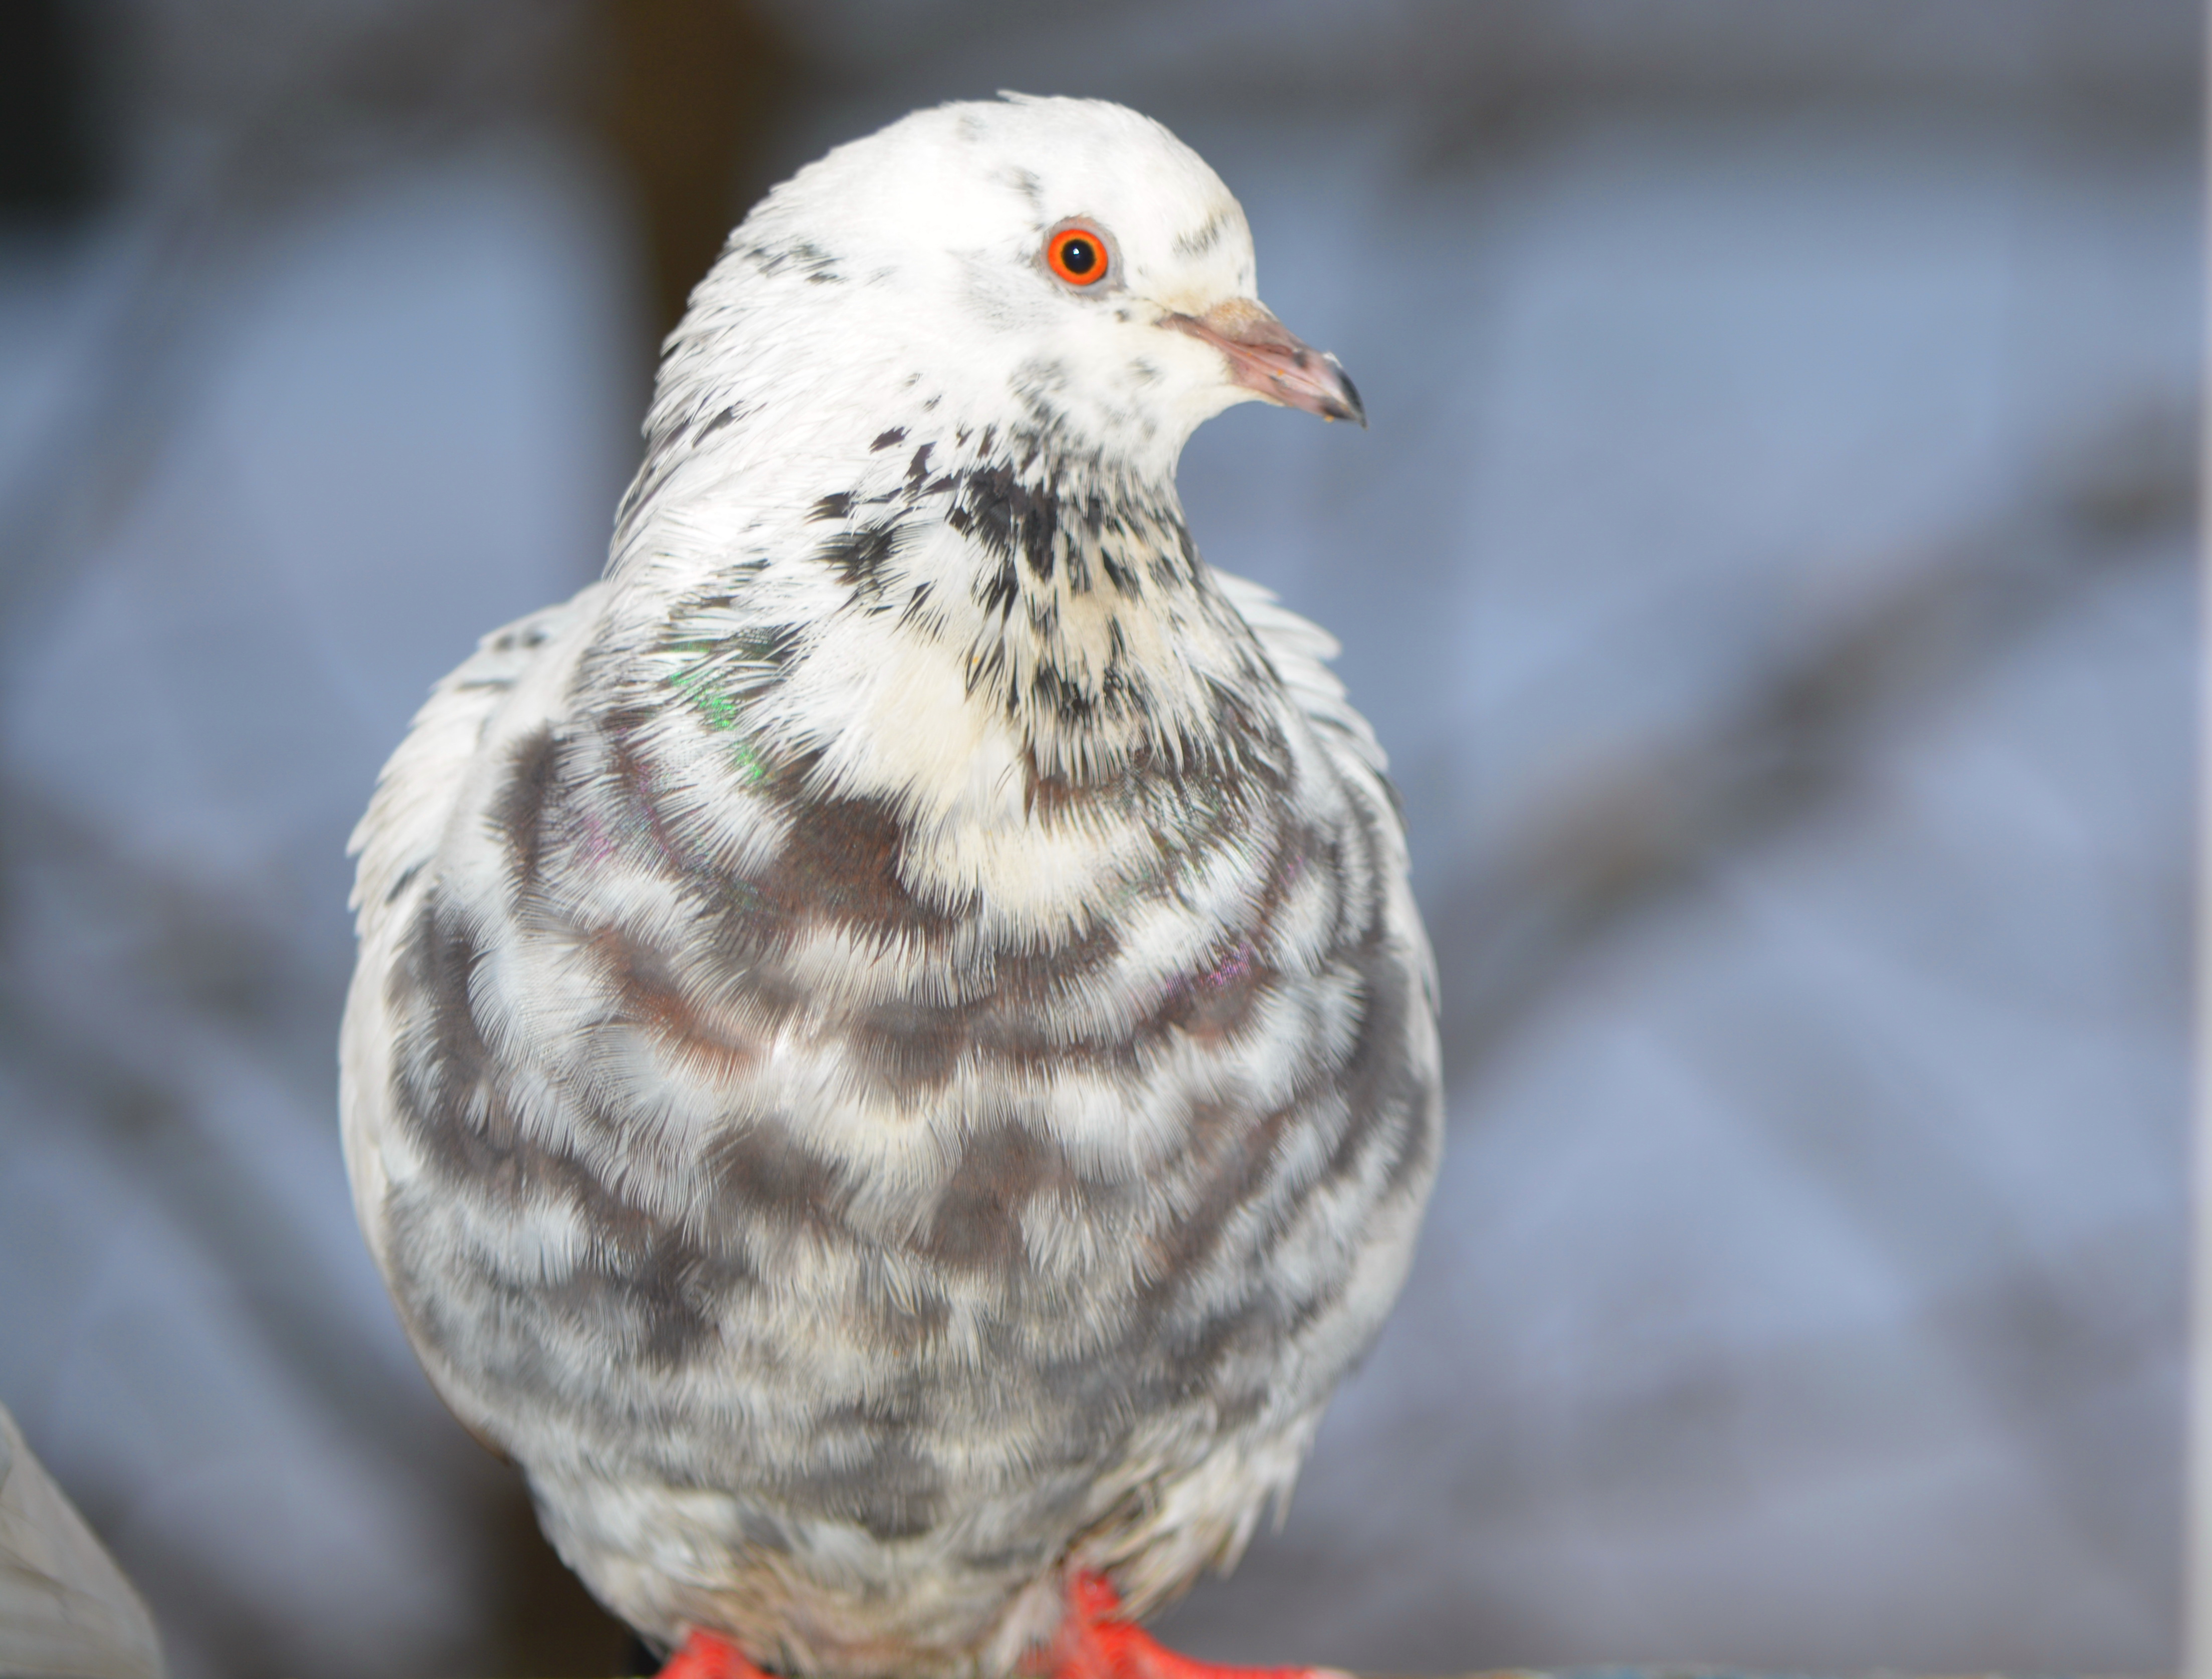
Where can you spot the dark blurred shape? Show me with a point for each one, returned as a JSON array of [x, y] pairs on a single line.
[[695, 89], [549, 1626], [48, 163]]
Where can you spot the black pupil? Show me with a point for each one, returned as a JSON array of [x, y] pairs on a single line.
[[1078, 256]]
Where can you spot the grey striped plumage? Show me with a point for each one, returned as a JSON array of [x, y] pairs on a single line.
[[892, 1053]]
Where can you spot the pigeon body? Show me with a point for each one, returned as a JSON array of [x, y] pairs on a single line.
[[892, 1062]]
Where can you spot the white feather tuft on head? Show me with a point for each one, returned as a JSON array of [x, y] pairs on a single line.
[[909, 265]]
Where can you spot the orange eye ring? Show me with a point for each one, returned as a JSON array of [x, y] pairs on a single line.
[[1078, 254]]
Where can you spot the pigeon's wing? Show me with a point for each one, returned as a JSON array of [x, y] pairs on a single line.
[[66, 1612], [398, 834], [397, 843], [1300, 650]]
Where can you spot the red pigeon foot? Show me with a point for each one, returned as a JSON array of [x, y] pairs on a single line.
[[706, 1657], [1092, 1644]]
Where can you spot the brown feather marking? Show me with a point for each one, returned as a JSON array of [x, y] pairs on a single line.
[[840, 863], [643, 1286], [518, 811], [650, 994], [762, 1172], [977, 1224]]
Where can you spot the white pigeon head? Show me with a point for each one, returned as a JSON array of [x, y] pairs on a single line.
[[1066, 263]]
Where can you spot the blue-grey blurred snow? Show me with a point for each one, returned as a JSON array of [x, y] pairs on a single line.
[[1804, 1286]]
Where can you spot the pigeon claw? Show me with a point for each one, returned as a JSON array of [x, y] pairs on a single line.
[[1094, 1643], [706, 1657]]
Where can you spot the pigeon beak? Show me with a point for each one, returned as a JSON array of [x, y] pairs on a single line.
[[1265, 357]]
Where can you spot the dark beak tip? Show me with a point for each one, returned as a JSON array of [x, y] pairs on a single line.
[[1353, 407]]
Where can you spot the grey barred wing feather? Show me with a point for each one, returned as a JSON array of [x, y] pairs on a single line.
[[1300, 650], [397, 836], [396, 844]]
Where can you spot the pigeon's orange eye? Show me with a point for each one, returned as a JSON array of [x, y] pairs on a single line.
[[1078, 255]]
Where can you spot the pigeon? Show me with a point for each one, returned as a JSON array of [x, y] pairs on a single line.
[[892, 1065]]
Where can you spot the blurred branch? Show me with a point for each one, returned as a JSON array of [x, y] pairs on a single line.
[[1525, 917], [1520, 915], [210, 968], [321, 99], [686, 93], [267, 112], [134, 1086], [1460, 70], [696, 90], [2048, 1332]]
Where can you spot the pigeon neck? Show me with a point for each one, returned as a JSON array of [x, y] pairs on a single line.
[[1066, 585], [958, 619]]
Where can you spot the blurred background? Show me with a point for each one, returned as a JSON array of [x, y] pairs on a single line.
[[1769, 569]]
